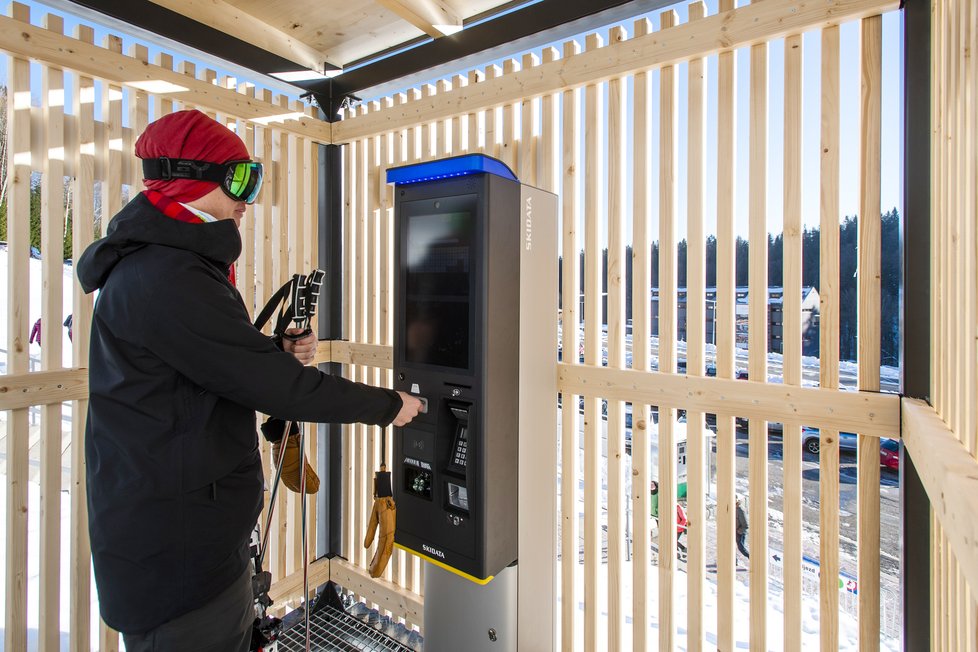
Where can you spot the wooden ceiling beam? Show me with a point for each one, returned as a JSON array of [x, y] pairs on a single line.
[[223, 16], [430, 16]]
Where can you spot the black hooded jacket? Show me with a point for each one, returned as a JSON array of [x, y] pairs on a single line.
[[176, 373]]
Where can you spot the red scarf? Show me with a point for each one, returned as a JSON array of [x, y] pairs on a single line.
[[177, 211]]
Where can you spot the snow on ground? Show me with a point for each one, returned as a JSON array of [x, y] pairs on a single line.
[[848, 626], [33, 568]]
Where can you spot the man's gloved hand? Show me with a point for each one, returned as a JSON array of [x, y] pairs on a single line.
[[272, 430], [382, 517]]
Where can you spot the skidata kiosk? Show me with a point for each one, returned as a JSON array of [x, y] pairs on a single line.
[[475, 336]]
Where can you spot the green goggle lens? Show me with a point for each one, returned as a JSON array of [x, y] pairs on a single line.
[[243, 181]]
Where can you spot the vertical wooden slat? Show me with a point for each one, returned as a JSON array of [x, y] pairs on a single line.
[[593, 116], [18, 362], [696, 441], [724, 325], [493, 126], [758, 345], [792, 264], [428, 134], [472, 140], [570, 341], [389, 156], [138, 117], [163, 105], [507, 152], [641, 347], [546, 157], [444, 127], [112, 119], [616, 349], [457, 122], [361, 505], [373, 292], [247, 263], [971, 242], [829, 340], [668, 189], [527, 151], [265, 285], [52, 270], [349, 325], [82, 232], [870, 230]]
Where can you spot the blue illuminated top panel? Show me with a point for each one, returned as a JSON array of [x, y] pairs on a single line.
[[446, 168]]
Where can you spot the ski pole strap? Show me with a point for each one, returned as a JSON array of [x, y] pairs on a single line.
[[273, 304], [302, 293]]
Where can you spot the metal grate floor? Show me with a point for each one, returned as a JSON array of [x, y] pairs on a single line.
[[333, 630]]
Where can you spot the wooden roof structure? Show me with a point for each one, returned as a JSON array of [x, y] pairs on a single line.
[[336, 48]]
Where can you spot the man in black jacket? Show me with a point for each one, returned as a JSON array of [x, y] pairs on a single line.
[[176, 374]]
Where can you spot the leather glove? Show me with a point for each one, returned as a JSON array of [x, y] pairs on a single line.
[[293, 458], [383, 516]]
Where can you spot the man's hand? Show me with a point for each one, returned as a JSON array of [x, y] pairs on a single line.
[[304, 350], [410, 409]]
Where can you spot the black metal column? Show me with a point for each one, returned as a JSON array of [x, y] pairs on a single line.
[[330, 516], [915, 317]]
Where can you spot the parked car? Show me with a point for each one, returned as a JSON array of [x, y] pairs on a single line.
[[890, 454], [889, 448], [811, 443]]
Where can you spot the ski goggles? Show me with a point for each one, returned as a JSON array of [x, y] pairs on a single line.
[[240, 180]]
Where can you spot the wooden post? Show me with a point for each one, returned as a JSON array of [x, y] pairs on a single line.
[[53, 221], [792, 262], [724, 328], [83, 232], [758, 343], [616, 350], [696, 432], [668, 188], [870, 233], [593, 116], [570, 342], [641, 348], [829, 341]]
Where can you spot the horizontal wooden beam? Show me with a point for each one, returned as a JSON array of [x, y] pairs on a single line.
[[389, 596], [59, 51], [866, 413], [289, 588], [229, 19], [368, 355], [426, 15], [19, 391], [755, 23], [949, 474]]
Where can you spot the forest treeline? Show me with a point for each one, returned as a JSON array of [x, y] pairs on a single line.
[[890, 276]]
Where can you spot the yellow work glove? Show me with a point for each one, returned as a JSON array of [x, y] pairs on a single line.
[[291, 466], [383, 517]]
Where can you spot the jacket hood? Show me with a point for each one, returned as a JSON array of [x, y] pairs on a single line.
[[140, 223]]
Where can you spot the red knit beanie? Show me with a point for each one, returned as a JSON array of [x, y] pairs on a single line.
[[188, 135]]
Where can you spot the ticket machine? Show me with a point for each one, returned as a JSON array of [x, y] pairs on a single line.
[[475, 259]]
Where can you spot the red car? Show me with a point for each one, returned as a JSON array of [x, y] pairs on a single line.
[[890, 454]]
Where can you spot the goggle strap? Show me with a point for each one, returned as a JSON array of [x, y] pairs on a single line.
[[165, 168]]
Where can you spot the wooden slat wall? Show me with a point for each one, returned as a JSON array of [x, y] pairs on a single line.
[[954, 297], [78, 157], [546, 116]]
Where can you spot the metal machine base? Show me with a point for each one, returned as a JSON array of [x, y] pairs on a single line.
[[461, 615]]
